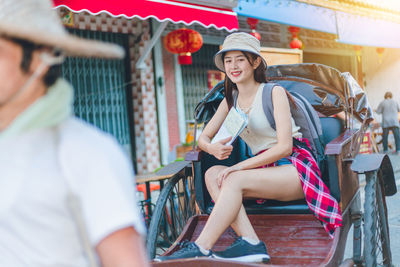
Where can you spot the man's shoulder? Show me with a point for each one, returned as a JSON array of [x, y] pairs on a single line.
[[78, 134]]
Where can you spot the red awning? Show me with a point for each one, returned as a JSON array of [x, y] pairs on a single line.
[[162, 10]]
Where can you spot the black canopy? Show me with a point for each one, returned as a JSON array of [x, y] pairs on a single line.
[[328, 90]]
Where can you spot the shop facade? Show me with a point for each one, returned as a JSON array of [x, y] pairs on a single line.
[[114, 95], [126, 98]]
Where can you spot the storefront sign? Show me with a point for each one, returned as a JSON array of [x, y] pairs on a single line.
[[67, 17], [214, 77], [366, 144]]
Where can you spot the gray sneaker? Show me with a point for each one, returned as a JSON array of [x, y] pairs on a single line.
[[187, 250], [243, 251]]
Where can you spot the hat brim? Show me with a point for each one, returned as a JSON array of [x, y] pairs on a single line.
[[220, 64], [71, 45]]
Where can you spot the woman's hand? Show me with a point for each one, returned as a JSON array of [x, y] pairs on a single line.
[[220, 150], [224, 174]]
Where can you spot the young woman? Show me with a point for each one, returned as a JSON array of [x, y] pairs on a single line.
[[244, 67]]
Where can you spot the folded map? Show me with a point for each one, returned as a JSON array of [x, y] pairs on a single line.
[[233, 125]]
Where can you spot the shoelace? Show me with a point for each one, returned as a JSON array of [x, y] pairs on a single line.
[[185, 246], [235, 242]]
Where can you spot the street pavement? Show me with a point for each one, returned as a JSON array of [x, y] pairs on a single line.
[[393, 205]]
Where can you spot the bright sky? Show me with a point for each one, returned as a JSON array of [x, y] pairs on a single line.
[[395, 4]]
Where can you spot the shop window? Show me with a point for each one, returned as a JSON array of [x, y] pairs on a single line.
[[195, 78], [102, 89]]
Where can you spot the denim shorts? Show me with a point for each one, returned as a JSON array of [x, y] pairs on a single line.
[[283, 161]]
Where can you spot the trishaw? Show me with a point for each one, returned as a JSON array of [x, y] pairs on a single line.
[[292, 234]]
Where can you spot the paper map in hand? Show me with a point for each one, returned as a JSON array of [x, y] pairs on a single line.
[[233, 125]]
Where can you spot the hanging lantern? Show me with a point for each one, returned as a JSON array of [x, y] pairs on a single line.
[[358, 49], [253, 25], [296, 43], [256, 34], [380, 51], [183, 42]]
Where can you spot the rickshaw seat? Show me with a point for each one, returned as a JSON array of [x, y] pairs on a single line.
[[276, 207], [332, 127]]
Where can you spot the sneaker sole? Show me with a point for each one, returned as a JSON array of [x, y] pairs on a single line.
[[248, 258], [197, 257]]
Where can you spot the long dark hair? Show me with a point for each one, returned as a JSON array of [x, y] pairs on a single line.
[[259, 76]]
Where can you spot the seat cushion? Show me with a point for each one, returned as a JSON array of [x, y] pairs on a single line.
[[277, 207], [331, 128]]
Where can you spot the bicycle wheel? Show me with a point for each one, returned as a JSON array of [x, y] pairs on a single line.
[[376, 229], [175, 205]]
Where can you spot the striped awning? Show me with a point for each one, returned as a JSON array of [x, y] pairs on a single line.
[[161, 10]]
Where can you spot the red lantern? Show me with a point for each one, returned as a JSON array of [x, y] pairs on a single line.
[[294, 30], [183, 42], [296, 43], [253, 25], [256, 34]]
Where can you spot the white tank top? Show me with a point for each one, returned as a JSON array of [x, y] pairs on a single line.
[[259, 135]]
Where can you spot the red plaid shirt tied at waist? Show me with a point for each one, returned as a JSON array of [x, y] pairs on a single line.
[[317, 194]]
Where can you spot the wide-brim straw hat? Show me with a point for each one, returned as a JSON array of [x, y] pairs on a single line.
[[36, 21], [238, 41]]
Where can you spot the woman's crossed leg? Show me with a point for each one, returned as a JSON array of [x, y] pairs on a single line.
[[278, 183]]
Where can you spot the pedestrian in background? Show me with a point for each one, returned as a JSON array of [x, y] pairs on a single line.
[[67, 195], [389, 109]]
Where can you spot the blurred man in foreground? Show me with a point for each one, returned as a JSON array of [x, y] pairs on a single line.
[[66, 189]]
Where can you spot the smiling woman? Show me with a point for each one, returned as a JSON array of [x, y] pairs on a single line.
[[273, 173]]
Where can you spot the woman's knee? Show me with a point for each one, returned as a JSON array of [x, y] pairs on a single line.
[[234, 182], [211, 175]]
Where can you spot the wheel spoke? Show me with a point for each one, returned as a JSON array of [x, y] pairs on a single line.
[[377, 245], [175, 205]]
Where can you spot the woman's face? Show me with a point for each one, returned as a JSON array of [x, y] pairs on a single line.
[[238, 68]]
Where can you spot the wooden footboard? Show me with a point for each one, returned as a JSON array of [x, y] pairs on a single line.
[[292, 240]]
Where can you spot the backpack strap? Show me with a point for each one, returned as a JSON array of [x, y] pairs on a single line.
[[235, 94], [268, 107], [267, 103], [269, 113]]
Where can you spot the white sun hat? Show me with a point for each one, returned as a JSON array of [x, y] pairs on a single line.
[[238, 41], [36, 21]]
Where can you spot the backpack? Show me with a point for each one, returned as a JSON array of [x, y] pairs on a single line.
[[304, 116]]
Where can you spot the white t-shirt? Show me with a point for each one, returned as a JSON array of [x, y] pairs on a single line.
[[36, 226], [259, 135]]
